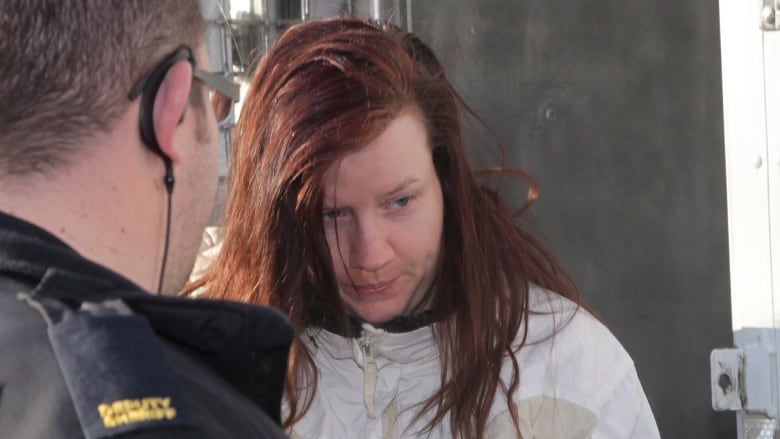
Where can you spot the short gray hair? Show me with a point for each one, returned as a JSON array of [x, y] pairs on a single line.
[[67, 67]]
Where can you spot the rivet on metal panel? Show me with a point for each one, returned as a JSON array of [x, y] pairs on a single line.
[[550, 114]]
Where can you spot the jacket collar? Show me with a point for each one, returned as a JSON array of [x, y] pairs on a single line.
[[387, 347], [247, 345]]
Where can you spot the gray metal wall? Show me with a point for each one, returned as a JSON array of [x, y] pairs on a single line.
[[615, 106]]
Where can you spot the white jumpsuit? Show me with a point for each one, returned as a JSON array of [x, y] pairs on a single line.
[[580, 383]]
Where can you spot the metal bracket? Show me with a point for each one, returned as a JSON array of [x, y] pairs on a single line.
[[745, 379], [727, 379], [770, 15], [742, 378]]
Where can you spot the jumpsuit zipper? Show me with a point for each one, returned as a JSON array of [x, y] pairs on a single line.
[[367, 345]]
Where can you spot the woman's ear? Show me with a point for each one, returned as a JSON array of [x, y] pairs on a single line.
[[170, 104]]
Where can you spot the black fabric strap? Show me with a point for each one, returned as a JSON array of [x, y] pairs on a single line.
[[399, 324]]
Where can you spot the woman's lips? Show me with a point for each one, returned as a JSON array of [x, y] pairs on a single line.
[[367, 290]]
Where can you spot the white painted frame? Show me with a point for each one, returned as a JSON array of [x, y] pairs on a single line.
[[749, 55]]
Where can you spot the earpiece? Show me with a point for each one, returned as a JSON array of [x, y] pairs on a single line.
[[148, 90]]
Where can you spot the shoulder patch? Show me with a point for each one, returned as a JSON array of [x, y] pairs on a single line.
[[117, 375]]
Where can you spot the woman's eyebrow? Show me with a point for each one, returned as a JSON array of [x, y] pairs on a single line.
[[402, 186], [328, 204]]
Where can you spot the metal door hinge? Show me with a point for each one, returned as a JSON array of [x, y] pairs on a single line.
[[742, 377], [770, 15]]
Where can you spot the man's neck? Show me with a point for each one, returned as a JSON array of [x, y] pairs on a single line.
[[102, 207]]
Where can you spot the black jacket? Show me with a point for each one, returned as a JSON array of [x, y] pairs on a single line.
[[165, 367]]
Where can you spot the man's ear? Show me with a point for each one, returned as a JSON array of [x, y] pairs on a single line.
[[169, 106]]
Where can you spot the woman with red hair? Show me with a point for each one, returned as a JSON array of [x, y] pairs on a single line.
[[423, 308]]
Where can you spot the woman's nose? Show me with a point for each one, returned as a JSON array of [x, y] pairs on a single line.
[[371, 248]]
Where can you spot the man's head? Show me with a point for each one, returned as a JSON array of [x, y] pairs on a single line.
[[68, 65], [68, 117]]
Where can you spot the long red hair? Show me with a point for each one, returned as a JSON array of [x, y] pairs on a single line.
[[325, 89]]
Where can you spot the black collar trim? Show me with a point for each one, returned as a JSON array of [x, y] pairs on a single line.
[[400, 324]]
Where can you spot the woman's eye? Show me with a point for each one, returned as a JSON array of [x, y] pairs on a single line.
[[401, 202], [331, 215]]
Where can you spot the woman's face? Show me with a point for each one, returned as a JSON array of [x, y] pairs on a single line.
[[383, 215]]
